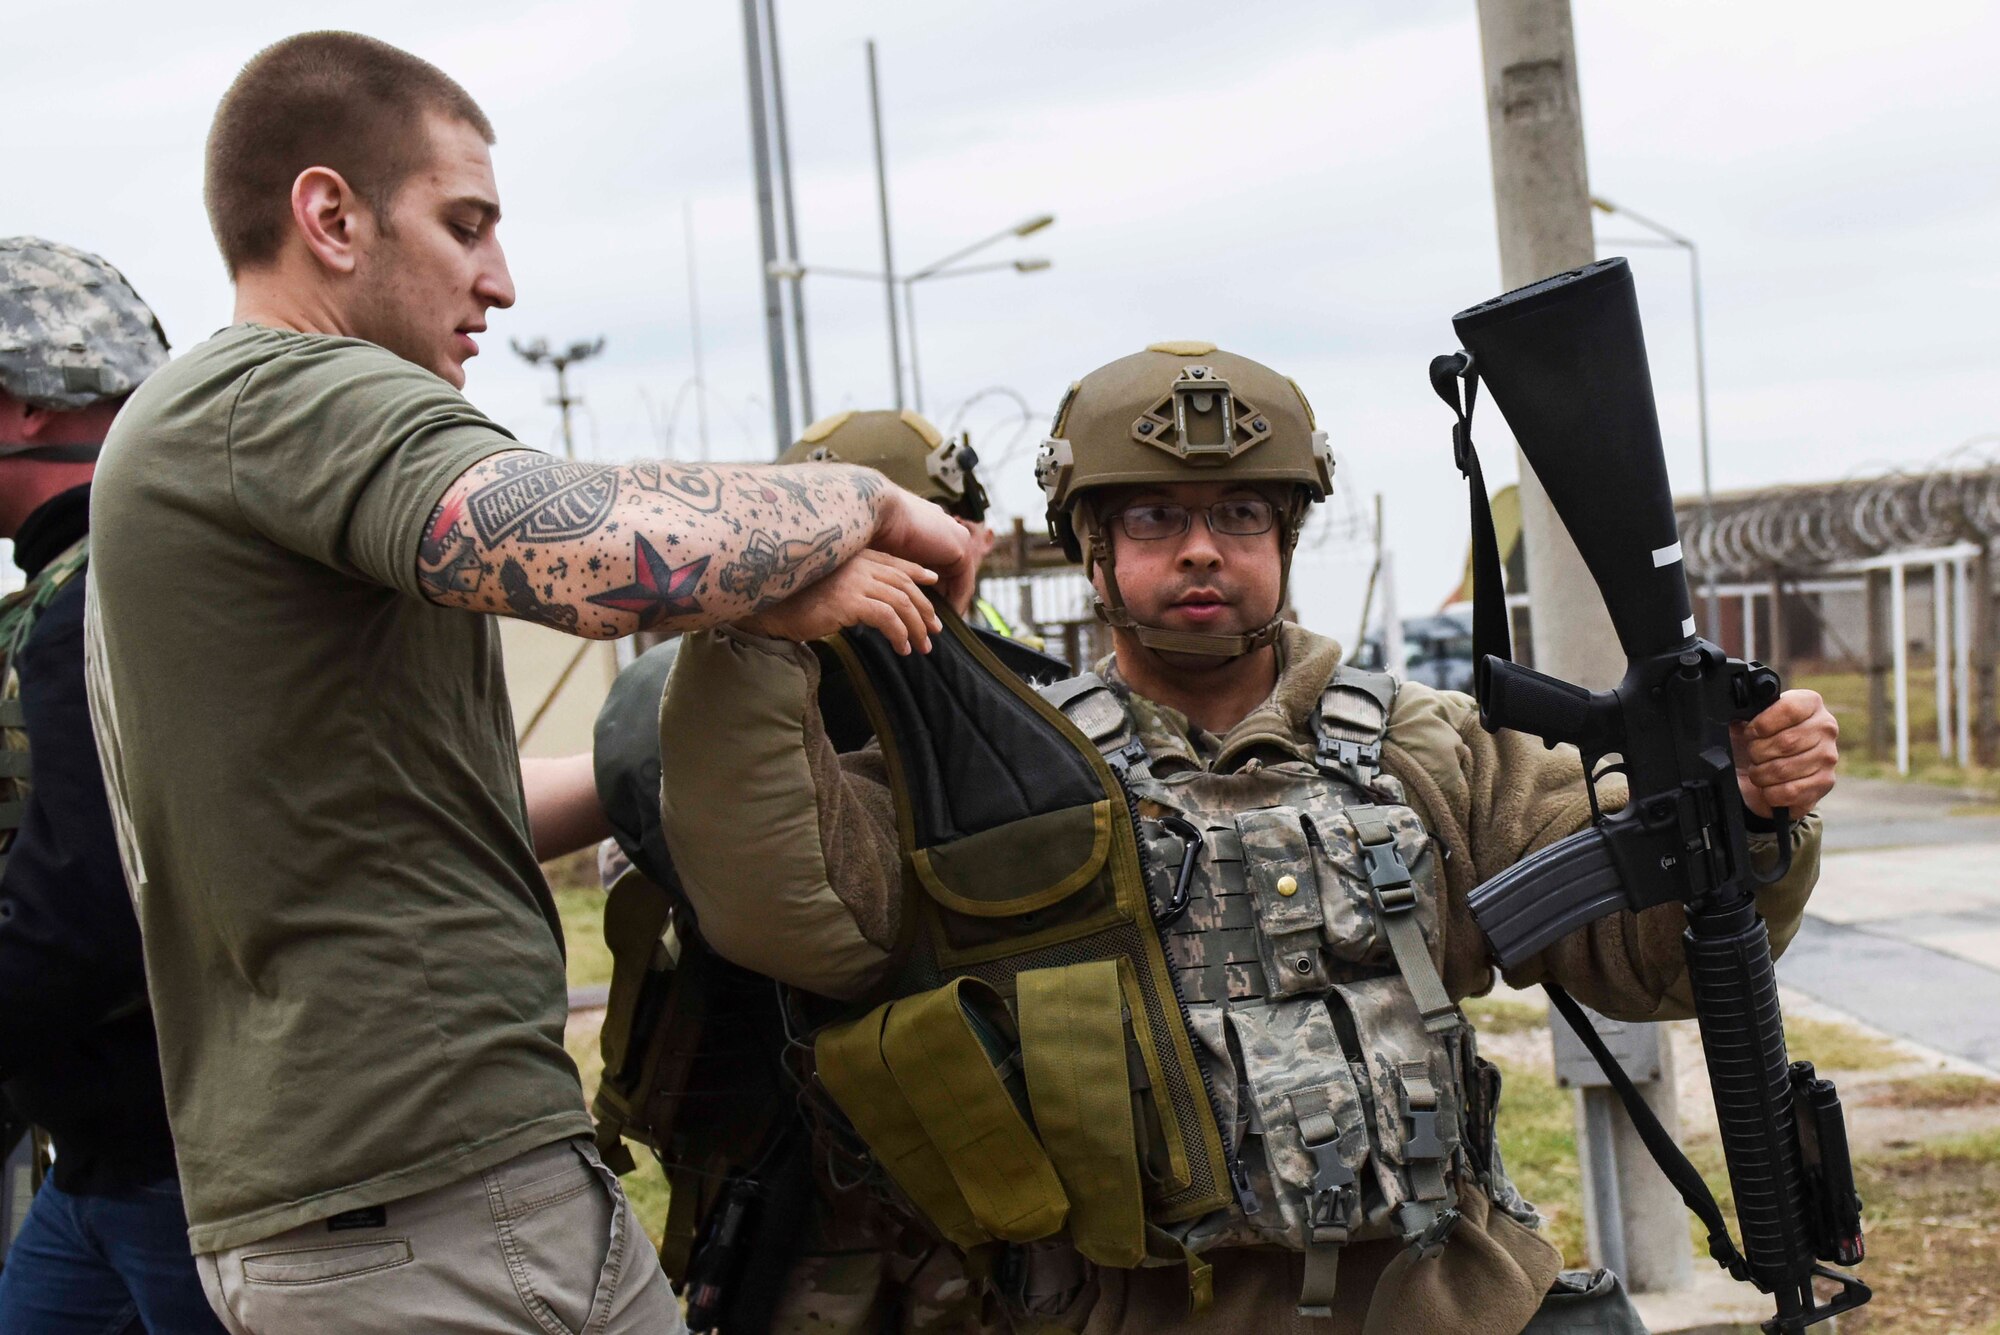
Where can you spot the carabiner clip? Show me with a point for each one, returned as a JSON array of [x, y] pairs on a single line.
[[1190, 838]]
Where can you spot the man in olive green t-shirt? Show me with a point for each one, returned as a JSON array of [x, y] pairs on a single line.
[[351, 950]]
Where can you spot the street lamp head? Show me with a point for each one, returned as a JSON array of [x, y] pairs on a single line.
[[533, 353], [1034, 224], [785, 269], [1603, 205], [1030, 266], [578, 351]]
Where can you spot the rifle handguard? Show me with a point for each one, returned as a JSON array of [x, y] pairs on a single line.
[[1546, 896]]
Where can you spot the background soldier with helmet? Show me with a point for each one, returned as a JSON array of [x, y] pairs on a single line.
[[105, 1242], [1365, 1188], [912, 453]]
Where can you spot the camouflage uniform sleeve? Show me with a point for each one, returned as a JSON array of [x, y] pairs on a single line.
[[786, 849], [1492, 799]]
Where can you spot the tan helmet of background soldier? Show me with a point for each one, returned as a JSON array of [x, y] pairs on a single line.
[[1177, 413], [911, 453]]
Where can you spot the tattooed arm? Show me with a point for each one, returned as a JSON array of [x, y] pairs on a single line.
[[601, 551]]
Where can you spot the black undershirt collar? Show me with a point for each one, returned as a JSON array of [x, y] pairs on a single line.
[[53, 527]]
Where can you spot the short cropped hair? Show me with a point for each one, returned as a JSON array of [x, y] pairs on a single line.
[[337, 100]]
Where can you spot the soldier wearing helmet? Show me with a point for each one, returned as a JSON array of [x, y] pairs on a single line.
[[906, 448], [1326, 825], [106, 1235]]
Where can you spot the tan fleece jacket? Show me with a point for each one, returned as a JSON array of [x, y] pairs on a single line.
[[788, 850]]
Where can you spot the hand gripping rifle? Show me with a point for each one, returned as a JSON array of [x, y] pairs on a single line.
[[1566, 362]]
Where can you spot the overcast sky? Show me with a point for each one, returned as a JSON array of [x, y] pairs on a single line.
[[1306, 183]]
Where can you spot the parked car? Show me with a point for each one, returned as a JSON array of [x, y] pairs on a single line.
[[1437, 651]]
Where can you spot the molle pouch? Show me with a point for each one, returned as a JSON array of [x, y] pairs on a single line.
[[1279, 869], [1309, 1116], [934, 1084], [1355, 931], [1039, 879], [1091, 1090], [1415, 1105]]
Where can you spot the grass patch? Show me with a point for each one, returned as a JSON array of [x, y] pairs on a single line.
[[1505, 1015], [580, 903], [1837, 1047], [1945, 1089], [1933, 1238], [582, 910], [1538, 1145]]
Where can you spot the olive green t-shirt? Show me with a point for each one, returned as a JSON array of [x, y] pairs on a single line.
[[353, 957]]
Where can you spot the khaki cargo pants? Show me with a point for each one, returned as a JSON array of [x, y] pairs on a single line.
[[545, 1242]]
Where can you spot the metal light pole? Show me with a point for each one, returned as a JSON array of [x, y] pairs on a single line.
[[791, 215], [942, 268], [795, 272], [888, 256], [774, 304], [694, 331], [1673, 238], [537, 353]]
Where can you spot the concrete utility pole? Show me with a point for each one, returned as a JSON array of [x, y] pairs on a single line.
[[767, 231], [537, 353], [1541, 194]]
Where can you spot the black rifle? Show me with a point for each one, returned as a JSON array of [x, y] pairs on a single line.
[[1565, 359]]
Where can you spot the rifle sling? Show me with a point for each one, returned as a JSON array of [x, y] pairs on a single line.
[[1686, 1180], [1490, 631]]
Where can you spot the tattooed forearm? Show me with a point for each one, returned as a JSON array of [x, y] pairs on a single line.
[[602, 551]]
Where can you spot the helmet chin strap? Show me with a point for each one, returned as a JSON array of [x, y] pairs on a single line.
[[52, 454], [1111, 610]]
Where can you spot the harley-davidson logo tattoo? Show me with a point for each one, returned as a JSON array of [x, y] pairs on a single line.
[[551, 501]]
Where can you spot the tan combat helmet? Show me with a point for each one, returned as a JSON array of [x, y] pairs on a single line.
[[905, 448], [1179, 412]]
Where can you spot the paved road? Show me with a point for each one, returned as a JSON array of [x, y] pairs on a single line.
[[1904, 928]]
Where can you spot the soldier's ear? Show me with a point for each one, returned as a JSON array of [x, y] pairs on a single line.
[[29, 422], [330, 218]]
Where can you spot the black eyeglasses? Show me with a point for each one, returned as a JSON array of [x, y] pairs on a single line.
[[1238, 517]]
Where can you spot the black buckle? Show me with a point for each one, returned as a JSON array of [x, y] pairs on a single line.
[[1125, 757], [1389, 877], [1431, 1241], [1333, 1185], [1423, 1142], [1338, 751]]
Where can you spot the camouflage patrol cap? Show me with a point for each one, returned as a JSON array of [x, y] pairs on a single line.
[[905, 448], [72, 331]]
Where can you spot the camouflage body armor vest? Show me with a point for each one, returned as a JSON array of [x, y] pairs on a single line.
[[18, 614], [1299, 902]]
